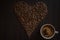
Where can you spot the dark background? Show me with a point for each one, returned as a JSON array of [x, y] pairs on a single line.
[[10, 26]]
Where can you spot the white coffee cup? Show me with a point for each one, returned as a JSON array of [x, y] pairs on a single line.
[[49, 31]]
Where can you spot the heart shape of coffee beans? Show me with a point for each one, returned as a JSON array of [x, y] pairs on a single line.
[[30, 15]]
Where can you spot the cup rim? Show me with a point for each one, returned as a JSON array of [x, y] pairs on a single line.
[[43, 35]]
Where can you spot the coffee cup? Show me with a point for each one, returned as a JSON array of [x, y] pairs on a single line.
[[48, 31]]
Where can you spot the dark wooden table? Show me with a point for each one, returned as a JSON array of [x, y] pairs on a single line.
[[10, 26]]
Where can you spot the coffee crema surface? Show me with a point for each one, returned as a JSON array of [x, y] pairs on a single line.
[[30, 15]]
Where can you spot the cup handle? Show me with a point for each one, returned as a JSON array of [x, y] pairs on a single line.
[[56, 32]]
